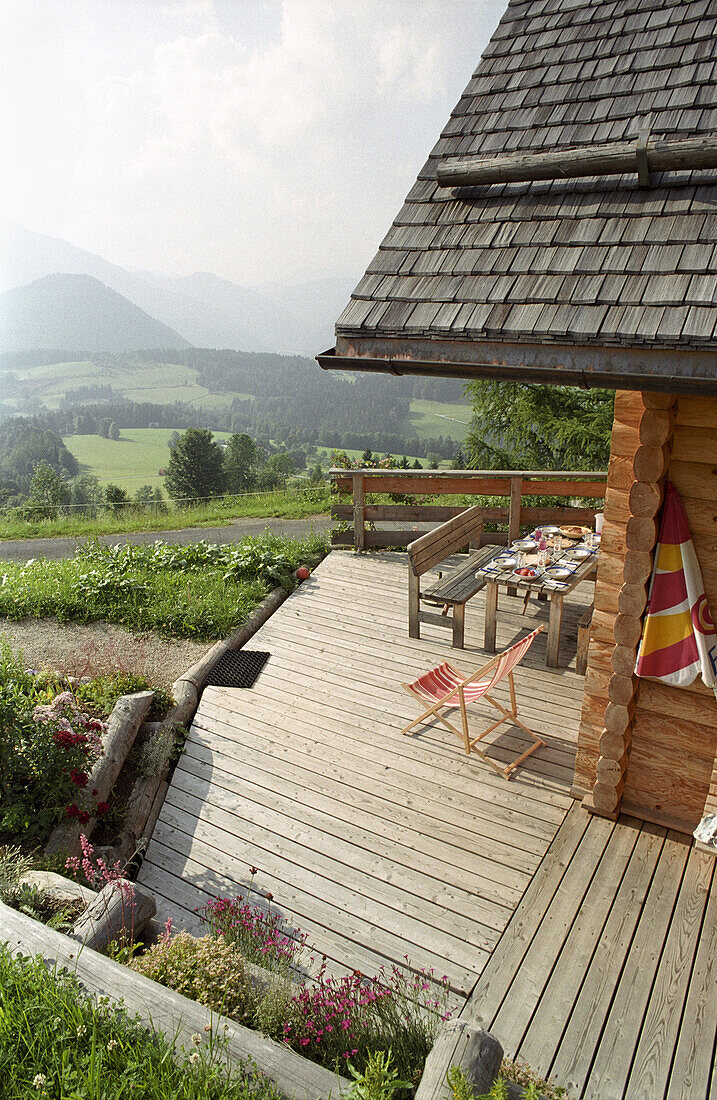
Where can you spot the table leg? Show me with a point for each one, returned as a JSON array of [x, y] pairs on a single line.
[[491, 610], [554, 626]]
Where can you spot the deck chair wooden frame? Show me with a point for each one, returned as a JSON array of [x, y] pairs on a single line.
[[456, 697]]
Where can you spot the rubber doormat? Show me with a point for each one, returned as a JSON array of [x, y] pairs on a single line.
[[237, 669]]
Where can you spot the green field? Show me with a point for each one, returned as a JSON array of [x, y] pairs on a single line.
[[158, 383], [433, 418], [131, 461]]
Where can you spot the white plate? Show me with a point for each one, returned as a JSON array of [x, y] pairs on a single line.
[[522, 577], [557, 572], [550, 530], [524, 544], [505, 563], [579, 554]]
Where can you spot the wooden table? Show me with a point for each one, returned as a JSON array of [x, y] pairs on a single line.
[[536, 587]]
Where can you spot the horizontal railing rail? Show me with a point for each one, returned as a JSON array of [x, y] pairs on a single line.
[[514, 485]]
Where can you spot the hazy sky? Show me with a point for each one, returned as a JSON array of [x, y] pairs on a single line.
[[259, 140]]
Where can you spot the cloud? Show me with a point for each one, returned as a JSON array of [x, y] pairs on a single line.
[[256, 140]]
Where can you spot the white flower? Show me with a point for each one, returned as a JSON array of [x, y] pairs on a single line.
[[194, 1057], [196, 1039], [39, 1080], [112, 1044], [81, 1031]]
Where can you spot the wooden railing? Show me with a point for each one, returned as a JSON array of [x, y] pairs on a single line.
[[511, 484]]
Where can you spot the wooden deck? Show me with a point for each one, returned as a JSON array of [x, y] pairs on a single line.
[[606, 977], [377, 845], [593, 944]]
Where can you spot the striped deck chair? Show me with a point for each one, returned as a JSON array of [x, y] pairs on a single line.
[[444, 686]]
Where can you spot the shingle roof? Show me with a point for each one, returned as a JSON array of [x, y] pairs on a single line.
[[596, 261]]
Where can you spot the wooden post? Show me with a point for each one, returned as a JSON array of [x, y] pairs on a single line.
[[516, 495], [467, 1046], [554, 625], [359, 511], [491, 612]]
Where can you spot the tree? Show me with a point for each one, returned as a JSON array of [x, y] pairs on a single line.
[[151, 499], [116, 498], [240, 459], [86, 494], [519, 426], [113, 431], [48, 491], [316, 476], [196, 467]]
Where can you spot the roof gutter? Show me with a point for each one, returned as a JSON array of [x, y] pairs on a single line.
[[638, 377]]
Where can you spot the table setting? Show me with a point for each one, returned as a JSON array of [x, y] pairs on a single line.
[[548, 557]]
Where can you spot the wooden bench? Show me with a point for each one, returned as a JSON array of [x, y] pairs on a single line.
[[581, 660], [458, 586]]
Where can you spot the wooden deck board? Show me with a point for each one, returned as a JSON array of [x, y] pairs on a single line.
[[587, 946]]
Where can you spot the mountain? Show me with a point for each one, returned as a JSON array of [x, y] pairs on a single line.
[[207, 310], [80, 312]]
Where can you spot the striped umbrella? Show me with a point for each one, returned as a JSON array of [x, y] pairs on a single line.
[[678, 635]]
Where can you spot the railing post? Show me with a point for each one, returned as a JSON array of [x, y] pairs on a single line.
[[359, 530], [516, 499]]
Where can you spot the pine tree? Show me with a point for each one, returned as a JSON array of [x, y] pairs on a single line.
[[196, 467]]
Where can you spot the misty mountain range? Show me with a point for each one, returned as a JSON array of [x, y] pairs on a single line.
[[42, 305]]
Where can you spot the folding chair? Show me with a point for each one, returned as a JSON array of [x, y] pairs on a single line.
[[444, 686]]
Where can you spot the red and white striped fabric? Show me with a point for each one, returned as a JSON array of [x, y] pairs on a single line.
[[440, 681]]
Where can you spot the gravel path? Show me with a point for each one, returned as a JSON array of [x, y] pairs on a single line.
[[80, 649], [24, 549]]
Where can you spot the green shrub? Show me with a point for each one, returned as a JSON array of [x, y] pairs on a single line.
[[207, 970], [100, 693]]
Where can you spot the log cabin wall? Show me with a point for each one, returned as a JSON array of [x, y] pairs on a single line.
[[664, 762]]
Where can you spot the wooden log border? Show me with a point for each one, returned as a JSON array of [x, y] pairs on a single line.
[[168, 1012]]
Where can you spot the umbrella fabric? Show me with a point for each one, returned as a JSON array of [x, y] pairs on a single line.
[[678, 636]]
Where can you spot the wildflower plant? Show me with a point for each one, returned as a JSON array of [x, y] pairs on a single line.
[[48, 746], [343, 1020], [257, 932]]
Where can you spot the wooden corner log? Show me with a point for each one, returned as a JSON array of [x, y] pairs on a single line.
[[124, 722], [120, 907], [165, 1011], [465, 1045]]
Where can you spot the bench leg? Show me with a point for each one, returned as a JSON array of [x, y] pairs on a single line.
[[459, 623], [414, 600]]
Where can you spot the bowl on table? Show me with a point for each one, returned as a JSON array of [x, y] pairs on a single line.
[[524, 544]]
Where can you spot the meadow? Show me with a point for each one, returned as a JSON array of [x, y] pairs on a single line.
[[133, 460]]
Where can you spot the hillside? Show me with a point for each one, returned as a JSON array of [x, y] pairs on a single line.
[[77, 311], [207, 310]]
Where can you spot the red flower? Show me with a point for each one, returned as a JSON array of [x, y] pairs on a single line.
[[102, 808], [73, 810], [83, 817], [78, 778], [253, 870], [269, 897]]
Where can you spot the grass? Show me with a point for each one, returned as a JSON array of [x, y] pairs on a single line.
[[430, 419], [200, 591], [55, 1042], [133, 460], [159, 383], [285, 503]]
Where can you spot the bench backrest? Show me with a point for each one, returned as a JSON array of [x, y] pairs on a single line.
[[442, 541]]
